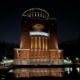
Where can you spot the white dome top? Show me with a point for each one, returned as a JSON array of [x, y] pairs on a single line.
[[36, 13]]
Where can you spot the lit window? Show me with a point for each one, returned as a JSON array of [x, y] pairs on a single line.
[[32, 33]]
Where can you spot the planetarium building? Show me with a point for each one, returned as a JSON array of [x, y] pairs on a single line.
[[38, 45]]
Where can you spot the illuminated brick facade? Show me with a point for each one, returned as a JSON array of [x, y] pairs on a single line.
[[38, 45]]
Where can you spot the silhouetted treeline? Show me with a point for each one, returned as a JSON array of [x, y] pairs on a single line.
[[71, 48], [7, 49]]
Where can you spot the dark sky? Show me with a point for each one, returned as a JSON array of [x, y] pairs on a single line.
[[67, 14]]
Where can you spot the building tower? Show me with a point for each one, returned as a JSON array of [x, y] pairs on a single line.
[[38, 46]]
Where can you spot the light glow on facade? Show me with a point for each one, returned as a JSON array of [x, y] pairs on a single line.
[[38, 45]]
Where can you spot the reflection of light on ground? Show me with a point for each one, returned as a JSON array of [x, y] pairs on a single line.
[[67, 61], [11, 70], [78, 69], [68, 70], [6, 62]]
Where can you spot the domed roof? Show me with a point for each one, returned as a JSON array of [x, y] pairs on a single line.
[[36, 13]]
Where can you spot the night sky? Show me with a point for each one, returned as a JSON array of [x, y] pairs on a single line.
[[67, 14]]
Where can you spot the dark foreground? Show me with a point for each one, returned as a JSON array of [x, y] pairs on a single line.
[[67, 77], [73, 75]]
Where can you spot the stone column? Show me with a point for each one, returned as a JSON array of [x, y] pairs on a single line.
[[35, 42], [46, 43], [43, 42], [39, 39]]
